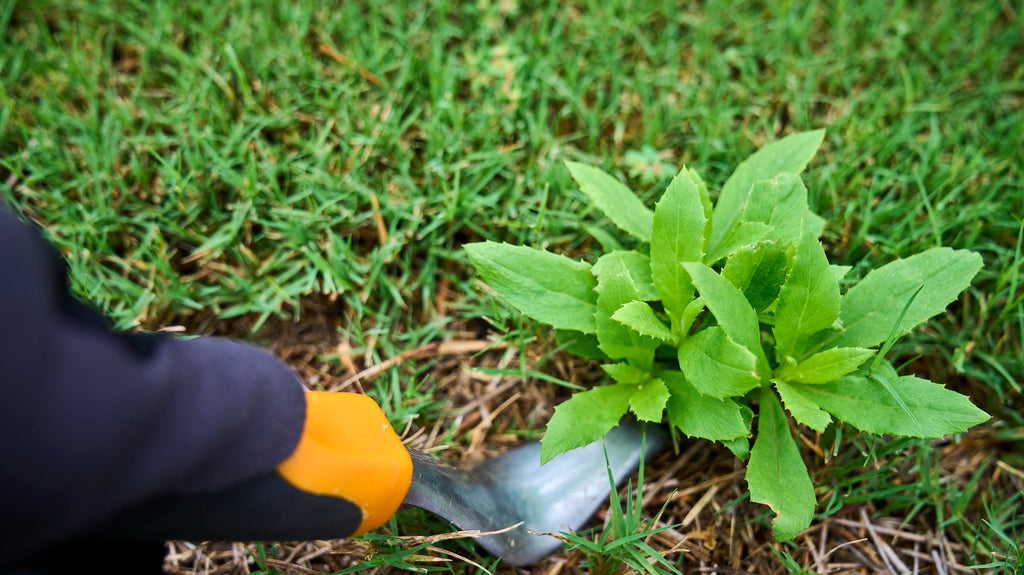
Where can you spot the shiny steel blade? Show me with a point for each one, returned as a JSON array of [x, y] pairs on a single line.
[[514, 488]]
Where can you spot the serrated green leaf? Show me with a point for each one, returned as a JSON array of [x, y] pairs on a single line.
[[887, 377], [625, 373], [639, 267], [677, 236], [815, 224], [690, 314], [729, 306], [716, 365], [639, 317], [585, 418], [840, 271], [802, 409], [614, 339], [698, 415], [744, 234], [759, 272], [649, 399], [777, 475], [827, 365], [789, 155], [740, 447], [614, 199], [808, 301], [869, 307], [547, 287], [890, 340], [781, 203], [615, 287], [869, 406]]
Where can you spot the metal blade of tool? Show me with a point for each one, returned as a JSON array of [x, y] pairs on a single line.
[[515, 488]]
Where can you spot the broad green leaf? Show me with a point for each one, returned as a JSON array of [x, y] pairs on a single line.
[[649, 399], [869, 308], [840, 271], [639, 317], [615, 287], [777, 475], [619, 203], [639, 267], [716, 365], [883, 373], [729, 306], [868, 405], [743, 235], [827, 365], [625, 373], [789, 155], [802, 409], [579, 344], [690, 314], [614, 339], [678, 236], [740, 447], [780, 202], [890, 340], [699, 415], [609, 242], [585, 418], [759, 271], [547, 287], [808, 301], [815, 224]]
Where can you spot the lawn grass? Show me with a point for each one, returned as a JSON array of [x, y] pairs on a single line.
[[305, 175]]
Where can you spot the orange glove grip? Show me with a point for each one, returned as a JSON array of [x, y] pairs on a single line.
[[349, 450]]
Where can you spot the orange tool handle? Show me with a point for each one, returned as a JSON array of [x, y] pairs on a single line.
[[349, 450]]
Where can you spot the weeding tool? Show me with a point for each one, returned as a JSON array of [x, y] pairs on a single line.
[[303, 500]]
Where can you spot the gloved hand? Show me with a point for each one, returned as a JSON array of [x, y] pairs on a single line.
[[348, 475]]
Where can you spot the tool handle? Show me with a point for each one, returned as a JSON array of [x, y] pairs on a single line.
[[347, 475]]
